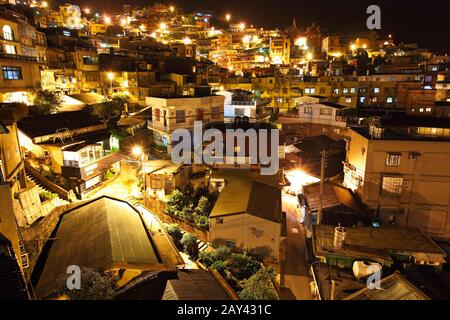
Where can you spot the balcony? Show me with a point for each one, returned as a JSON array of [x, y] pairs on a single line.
[[7, 56], [61, 65]]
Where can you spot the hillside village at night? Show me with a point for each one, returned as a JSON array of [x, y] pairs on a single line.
[[100, 198]]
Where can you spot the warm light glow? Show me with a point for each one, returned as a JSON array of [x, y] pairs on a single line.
[[110, 75], [228, 17], [142, 27], [187, 41], [44, 4], [172, 8], [255, 38], [301, 42], [309, 56], [364, 46], [123, 22], [353, 47], [298, 179], [242, 26], [246, 39], [163, 26], [87, 11], [107, 19], [137, 151]]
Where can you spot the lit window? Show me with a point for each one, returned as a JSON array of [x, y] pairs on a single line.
[[362, 99], [335, 91], [393, 159], [348, 100], [421, 110], [12, 73], [389, 100], [353, 90], [8, 33], [428, 109], [9, 49], [345, 90], [376, 90], [392, 185]]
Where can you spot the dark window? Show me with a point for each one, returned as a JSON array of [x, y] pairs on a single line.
[[215, 112], [181, 116], [12, 73]]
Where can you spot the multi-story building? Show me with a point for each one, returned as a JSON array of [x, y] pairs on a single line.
[[280, 50], [71, 16], [400, 170], [169, 114], [18, 58], [335, 45], [73, 63]]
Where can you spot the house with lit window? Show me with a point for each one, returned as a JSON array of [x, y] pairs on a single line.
[[317, 110], [169, 114], [18, 58], [73, 144], [399, 167]]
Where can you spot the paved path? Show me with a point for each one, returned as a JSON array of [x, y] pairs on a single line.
[[295, 277]]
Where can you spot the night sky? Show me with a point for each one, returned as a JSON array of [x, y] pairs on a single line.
[[425, 22]]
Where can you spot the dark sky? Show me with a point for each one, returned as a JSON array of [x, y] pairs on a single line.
[[426, 22]]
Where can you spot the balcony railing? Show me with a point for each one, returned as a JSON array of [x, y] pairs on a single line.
[[8, 56]]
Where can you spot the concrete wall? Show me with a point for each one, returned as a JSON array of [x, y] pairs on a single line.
[[424, 201], [247, 232]]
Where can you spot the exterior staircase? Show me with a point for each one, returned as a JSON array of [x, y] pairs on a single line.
[[42, 189]]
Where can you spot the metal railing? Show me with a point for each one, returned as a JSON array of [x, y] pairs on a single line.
[[8, 56]]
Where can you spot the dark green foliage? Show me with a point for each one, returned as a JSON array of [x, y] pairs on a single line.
[[94, 286], [189, 242], [259, 286], [46, 102]]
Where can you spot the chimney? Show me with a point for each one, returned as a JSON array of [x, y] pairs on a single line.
[[339, 237]]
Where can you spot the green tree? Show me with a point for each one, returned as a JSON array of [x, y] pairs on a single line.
[[189, 242], [202, 222], [259, 286], [204, 206], [174, 231], [94, 286], [110, 109], [46, 102], [242, 265], [175, 203]]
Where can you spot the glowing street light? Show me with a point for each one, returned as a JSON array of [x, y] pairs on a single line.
[[353, 47], [44, 4], [246, 39], [110, 76], [137, 151], [87, 11], [187, 41], [242, 26], [162, 26], [309, 56], [172, 8], [123, 22], [228, 17], [107, 19]]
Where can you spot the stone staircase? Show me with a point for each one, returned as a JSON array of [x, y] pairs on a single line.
[[41, 188]]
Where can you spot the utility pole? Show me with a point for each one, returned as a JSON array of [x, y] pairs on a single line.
[[322, 174]]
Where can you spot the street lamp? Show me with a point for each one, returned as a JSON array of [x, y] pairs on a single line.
[[228, 17], [137, 151], [111, 77]]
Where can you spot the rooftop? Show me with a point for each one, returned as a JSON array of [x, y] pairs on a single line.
[[244, 194], [194, 285], [100, 234], [374, 243]]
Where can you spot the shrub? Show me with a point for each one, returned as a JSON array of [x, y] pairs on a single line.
[[259, 286], [189, 242], [44, 196], [243, 266], [175, 232], [202, 222]]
